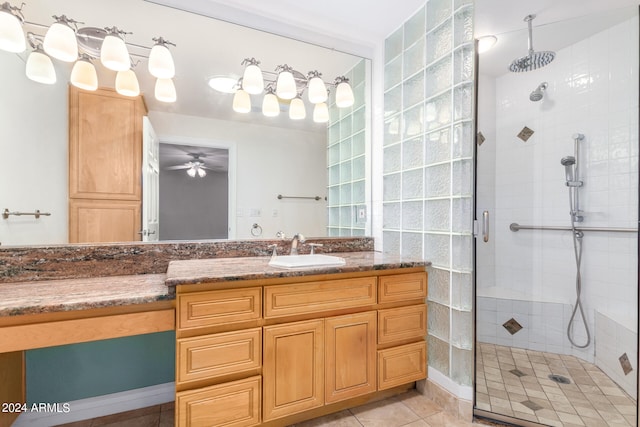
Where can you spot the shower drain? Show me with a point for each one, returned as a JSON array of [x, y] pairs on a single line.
[[559, 379]]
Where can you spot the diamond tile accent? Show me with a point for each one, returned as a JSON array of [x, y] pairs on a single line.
[[512, 326], [625, 363], [525, 134]]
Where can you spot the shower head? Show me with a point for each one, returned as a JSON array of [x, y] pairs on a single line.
[[533, 60], [538, 94], [568, 162]]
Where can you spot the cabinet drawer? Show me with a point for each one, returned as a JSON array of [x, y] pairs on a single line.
[[402, 365], [211, 308], [237, 403], [402, 287], [216, 355], [402, 323], [287, 300]]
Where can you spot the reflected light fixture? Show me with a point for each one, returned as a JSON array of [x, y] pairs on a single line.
[[344, 93], [11, 35], [223, 84], [241, 102], [486, 42], [285, 85], [83, 74], [161, 63], [270, 104], [60, 40], [317, 91], [196, 169], [113, 53], [296, 109], [39, 67], [165, 90], [321, 113], [127, 83], [252, 80]]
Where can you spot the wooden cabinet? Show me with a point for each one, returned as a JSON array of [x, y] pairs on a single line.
[[315, 345], [105, 161]]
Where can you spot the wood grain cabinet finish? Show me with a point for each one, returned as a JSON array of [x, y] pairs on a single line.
[[236, 403], [223, 307], [403, 364], [402, 324], [100, 221], [402, 287]]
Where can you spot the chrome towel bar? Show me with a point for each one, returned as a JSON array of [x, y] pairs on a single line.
[[517, 227], [6, 214]]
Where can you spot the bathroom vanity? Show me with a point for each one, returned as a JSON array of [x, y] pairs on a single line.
[[258, 345]]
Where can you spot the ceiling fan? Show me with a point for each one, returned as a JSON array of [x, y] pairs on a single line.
[[194, 167]]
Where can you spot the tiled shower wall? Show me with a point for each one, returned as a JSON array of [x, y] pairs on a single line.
[[347, 160], [427, 170]]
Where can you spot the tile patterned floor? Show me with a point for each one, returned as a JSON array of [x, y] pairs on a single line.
[[514, 382]]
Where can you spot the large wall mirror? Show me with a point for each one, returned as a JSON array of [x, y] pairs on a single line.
[[262, 157], [556, 276]]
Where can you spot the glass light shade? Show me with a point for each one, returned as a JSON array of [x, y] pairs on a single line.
[[241, 102], [344, 95], [286, 86], [252, 81], [11, 35], [317, 91], [270, 105], [60, 42], [486, 42], [165, 90], [223, 84], [161, 62], [114, 54], [297, 110], [191, 172], [321, 113], [40, 68], [202, 173], [127, 83], [84, 76]]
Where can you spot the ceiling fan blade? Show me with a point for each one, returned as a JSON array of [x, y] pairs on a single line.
[[172, 168]]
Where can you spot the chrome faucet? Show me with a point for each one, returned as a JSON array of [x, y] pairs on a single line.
[[294, 243]]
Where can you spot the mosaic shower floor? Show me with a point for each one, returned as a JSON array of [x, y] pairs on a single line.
[[515, 382]]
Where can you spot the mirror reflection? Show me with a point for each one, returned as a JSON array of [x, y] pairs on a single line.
[[267, 156]]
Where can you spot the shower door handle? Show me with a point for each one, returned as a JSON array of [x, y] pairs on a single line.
[[485, 226]]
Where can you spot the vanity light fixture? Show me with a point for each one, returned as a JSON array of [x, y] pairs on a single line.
[[297, 110], [270, 104], [286, 87], [252, 80], [223, 84], [241, 101], [317, 91], [161, 63], [60, 40], [127, 84], [11, 34], [344, 93], [39, 67], [83, 74], [165, 90], [113, 53], [321, 113]]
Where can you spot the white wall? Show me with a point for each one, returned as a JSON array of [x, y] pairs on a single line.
[[269, 161], [593, 89]]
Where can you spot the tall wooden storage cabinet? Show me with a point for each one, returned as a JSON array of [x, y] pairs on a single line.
[[105, 160]]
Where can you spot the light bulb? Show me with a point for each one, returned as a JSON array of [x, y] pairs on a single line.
[[241, 102], [83, 74], [270, 105], [60, 41], [113, 53], [344, 94], [202, 173], [127, 83], [297, 110], [252, 80], [317, 91], [165, 90], [11, 35], [486, 42], [40, 68], [286, 84], [191, 172], [321, 113], [161, 63]]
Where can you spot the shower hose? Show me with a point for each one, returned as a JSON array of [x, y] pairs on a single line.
[[577, 250]]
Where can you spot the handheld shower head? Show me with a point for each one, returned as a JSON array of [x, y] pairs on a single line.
[[538, 93], [568, 162]]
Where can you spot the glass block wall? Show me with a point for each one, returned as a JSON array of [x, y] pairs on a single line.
[[428, 169], [347, 161]]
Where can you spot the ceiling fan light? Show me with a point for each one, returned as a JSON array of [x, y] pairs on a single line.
[[344, 94], [165, 90], [114, 54], [191, 172], [83, 75], [270, 105], [297, 110], [60, 41], [202, 173], [127, 83], [252, 80], [321, 113], [317, 91], [11, 34], [241, 102], [161, 63], [286, 86], [40, 68]]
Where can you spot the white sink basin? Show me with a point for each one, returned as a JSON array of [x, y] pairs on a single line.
[[315, 260]]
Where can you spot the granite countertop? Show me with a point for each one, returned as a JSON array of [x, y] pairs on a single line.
[[247, 268], [81, 294]]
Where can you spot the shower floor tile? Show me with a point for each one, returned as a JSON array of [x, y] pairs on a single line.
[[526, 391]]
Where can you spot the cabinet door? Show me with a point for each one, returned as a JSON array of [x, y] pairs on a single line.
[[293, 368], [402, 365], [93, 221], [350, 350]]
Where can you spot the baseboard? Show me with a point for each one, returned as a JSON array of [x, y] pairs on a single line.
[[98, 406]]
